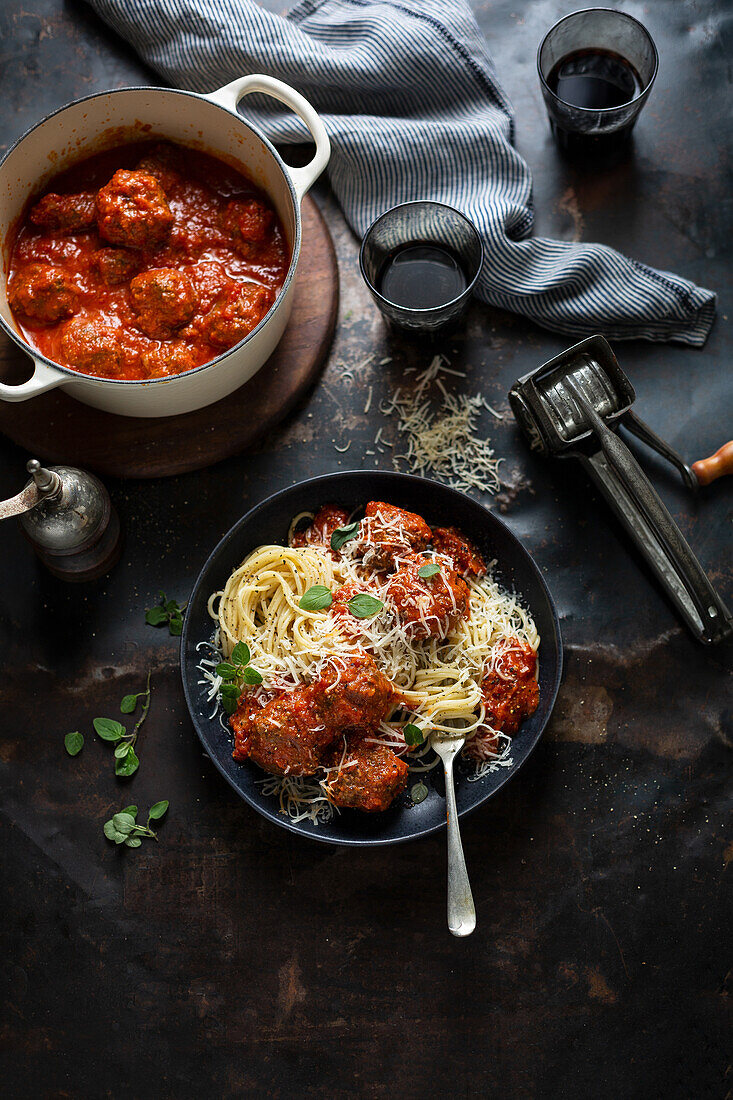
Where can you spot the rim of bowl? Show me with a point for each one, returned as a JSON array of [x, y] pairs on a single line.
[[38, 356], [308, 483], [599, 110], [420, 309]]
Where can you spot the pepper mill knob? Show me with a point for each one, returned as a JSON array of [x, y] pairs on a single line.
[[73, 527]]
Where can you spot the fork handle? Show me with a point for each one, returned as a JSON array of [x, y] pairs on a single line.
[[461, 910]]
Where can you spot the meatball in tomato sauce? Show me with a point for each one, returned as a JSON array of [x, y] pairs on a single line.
[[388, 533], [286, 736], [369, 779], [165, 163], [236, 313], [43, 294], [94, 346], [465, 556], [432, 606], [64, 214], [249, 224], [352, 693], [318, 532], [164, 300], [116, 265], [132, 211], [510, 691], [167, 359]]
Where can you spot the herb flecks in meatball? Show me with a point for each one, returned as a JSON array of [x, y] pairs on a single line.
[[285, 737], [42, 293], [236, 313], [65, 213], [369, 777], [164, 300], [168, 359], [352, 693], [116, 265], [93, 346], [432, 606], [249, 222], [132, 211]]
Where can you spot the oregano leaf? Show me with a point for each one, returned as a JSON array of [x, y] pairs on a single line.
[[108, 729], [74, 743], [363, 606], [316, 598]]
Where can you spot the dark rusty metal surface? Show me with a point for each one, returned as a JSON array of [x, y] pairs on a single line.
[[232, 958]]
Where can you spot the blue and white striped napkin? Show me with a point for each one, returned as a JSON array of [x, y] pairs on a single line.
[[410, 99]]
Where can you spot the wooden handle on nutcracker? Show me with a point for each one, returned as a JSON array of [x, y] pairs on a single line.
[[719, 464]]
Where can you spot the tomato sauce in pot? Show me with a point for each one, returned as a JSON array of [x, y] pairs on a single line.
[[145, 261]]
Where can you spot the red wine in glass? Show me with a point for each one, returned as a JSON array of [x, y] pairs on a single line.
[[594, 80]]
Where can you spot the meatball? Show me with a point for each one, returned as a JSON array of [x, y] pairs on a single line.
[[168, 359], [42, 293], [388, 534], [466, 558], [65, 213], [285, 737], [93, 346], [510, 691], [164, 300], [372, 783], [164, 162], [429, 607], [116, 265], [248, 221], [352, 693], [322, 526], [236, 313], [132, 211]]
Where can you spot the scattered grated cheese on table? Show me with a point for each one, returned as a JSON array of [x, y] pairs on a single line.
[[443, 442]]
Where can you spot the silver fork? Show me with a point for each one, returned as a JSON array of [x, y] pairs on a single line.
[[461, 910]]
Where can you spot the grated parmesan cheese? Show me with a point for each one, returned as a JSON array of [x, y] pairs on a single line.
[[444, 443]]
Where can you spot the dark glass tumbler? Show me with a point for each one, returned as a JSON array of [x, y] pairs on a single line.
[[596, 136], [421, 223]]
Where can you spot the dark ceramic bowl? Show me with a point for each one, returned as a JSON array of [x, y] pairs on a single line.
[[268, 522]]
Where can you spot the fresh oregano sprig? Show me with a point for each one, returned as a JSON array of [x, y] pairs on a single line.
[[123, 827], [166, 613], [235, 672], [126, 759]]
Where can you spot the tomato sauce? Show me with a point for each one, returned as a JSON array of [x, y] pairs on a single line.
[[145, 261], [511, 692]]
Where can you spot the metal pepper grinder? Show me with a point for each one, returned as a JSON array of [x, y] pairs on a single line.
[[68, 518]]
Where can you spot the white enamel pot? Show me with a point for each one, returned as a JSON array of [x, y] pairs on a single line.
[[210, 123]]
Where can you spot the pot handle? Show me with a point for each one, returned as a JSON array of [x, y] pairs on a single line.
[[43, 378], [230, 95]]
